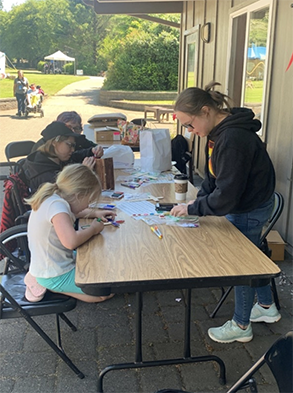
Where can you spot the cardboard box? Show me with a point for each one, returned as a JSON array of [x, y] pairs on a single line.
[[106, 135], [277, 245], [108, 119]]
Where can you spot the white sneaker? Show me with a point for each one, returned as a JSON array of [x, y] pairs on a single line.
[[268, 315], [230, 332]]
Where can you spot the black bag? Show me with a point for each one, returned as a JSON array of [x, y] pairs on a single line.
[[180, 153]]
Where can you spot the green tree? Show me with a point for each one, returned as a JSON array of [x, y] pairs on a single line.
[[144, 63], [34, 28], [37, 28], [142, 57]]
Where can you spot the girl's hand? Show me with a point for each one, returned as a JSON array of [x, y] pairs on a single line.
[[97, 226], [179, 211], [98, 151], [90, 162], [105, 214]]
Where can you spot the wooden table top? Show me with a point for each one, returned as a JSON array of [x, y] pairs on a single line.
[[133, 258]]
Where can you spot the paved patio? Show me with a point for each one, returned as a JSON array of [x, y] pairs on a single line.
[[106, 331]]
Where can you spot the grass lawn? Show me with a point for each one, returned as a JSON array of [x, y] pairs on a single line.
[[254, 92], [51, 84]]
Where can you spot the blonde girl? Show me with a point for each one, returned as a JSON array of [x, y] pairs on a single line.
[[51, 234]]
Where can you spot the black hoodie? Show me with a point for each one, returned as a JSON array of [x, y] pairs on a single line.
[[38, 168], [239, 175]]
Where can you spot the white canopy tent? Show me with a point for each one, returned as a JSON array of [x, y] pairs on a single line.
[[60, 56]]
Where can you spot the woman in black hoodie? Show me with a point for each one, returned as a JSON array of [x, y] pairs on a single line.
[[48, 160], [239, 184]]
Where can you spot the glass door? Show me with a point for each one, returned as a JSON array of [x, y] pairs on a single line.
[[249, 57]]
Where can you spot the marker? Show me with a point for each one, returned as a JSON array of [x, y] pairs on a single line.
[[107, 207], [128, 185], [156, 233]]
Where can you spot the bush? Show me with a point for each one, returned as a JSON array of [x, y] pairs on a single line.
[[145, 62], [40, 66], [68, 68]]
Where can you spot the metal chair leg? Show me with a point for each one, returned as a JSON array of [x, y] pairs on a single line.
[[221, 301], [275, 293]]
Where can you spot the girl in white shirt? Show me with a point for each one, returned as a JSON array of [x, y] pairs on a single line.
[[51, 233]]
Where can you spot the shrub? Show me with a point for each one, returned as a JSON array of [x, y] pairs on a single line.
[[68, 68], [40, 66], [145, 62]]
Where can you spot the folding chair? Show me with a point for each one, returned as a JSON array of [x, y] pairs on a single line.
[[190, 139], [278, 208], [13, 303], [18, 149], [278, 358], [139, 122]]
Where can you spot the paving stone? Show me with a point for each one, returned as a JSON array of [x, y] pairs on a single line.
[[12, 337], [35, 384], [23, 364], [6, 384], [113, 335], [155, 378], [149, 303]]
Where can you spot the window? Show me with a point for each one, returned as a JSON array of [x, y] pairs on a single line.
[[191, 57], [248, 80]]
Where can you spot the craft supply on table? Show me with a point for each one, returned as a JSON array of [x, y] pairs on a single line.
[[158, 231], [107, 207], [160, 236], [132, 185], [103, 206], [117, 195], [141, 207], [145, 178], [141, 197]]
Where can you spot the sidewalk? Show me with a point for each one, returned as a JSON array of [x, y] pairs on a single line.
[[105, 332]]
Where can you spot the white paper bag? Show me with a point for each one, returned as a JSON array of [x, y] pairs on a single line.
[[155, 150], [123, 156]]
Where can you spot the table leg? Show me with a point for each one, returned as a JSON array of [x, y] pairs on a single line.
[[186, 351], [139, 363], [157, 115], [138, 324]]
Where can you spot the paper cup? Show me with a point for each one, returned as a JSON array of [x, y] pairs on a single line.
[[181, 186]]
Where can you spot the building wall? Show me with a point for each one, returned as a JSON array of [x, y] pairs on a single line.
[[213, 65]]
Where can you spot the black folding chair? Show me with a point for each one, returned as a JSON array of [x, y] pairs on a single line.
[[277, 211], [13, 303], [18, 149], [278, 358], [139, 122]]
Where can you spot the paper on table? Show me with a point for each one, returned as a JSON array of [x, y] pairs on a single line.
[[142, 207]]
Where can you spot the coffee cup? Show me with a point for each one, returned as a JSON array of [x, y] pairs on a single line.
[[181, 186]]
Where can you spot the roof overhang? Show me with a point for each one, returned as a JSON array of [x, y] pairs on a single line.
[[137, 7]]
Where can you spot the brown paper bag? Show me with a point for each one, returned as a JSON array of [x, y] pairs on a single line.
[[105, 170]]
